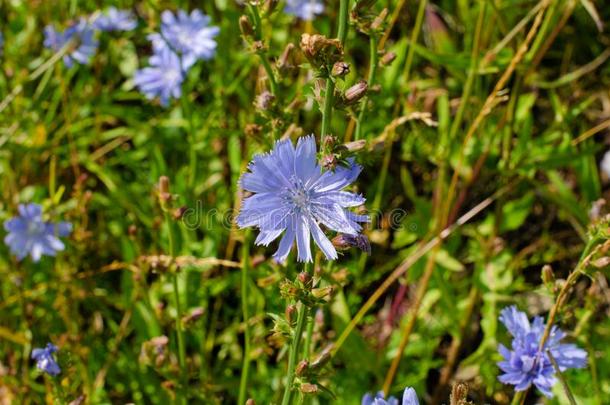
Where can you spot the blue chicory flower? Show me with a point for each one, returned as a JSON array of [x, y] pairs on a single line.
[[163, 78], [293, 196], [190, 36], [304, 9], [83, 36], [409, 397], [115, 20], [525, 364], [29, 234], [45, 361]]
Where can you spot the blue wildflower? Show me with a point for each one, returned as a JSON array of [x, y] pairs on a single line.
[[190, 36], [81, 34], [163, 78], [29, 234], [304, 9], [525, 364], [115, 20], [45, 361], [293, 196], [409, 397]]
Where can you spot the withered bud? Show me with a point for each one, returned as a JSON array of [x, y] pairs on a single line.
[[459, 392], [179, 212], [308, 388], [548, 277], [163, 185], [322, 293], [132, 230], [329, 162], [321, 51], [355, 146], [269, 6], [321, 360], [284, 60], [304, 277], [245, 26], [355, 93], [340, 69], [329, 141], [80, 400], [379, 20], [195, 314], [258, 46], [345, 241], [601, 263], [253, 129], [290, 311], [264, 101], [302, 367], [250, 401], [387, 59]]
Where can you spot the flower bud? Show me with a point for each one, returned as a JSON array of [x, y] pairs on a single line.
[[308, 388], [196, 313], [304, 277], [387, 59], [245, 27], [164, 185], [290, 311], [329, 162], [179, 212], [340, 69], [379, 20], [321, 360], [355, 93], [302, 367], [547, 274], [250, 401], [284, 62]]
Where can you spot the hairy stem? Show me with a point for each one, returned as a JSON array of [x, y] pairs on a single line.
[[294, 352]]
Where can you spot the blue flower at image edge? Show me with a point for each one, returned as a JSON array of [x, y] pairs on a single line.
[[409, 397], [190, 36], [115, 20], [163, 78], [304, 9], [294, 196], [525, 364], [83, 36], [29, 234], [45, 361]]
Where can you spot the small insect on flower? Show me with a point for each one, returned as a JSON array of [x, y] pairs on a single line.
[[80, 37], [114, 19], [294, 196], [409, 397], [162, 79], [304, 9], [45, 361], [525, 364], [29, 234], [190, 36]]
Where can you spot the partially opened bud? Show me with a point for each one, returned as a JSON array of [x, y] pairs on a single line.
[[387, 59], [340, 69]]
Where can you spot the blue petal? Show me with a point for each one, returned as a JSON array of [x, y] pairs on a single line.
[[305, 162], [303, 240], [322, 241]]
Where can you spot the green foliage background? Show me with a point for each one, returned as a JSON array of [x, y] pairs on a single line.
[[85, 144]]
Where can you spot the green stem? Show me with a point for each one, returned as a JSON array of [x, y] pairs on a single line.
[[243, 382], [328, 107], [308, 336], [179, 331], [371, 79], [258, 33], [414, 35], [330, 84], [294, 352], [188, 115]]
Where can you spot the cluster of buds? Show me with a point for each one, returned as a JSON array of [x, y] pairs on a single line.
[[308, 373], [334, 153], [304, 289], [321, 52]]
